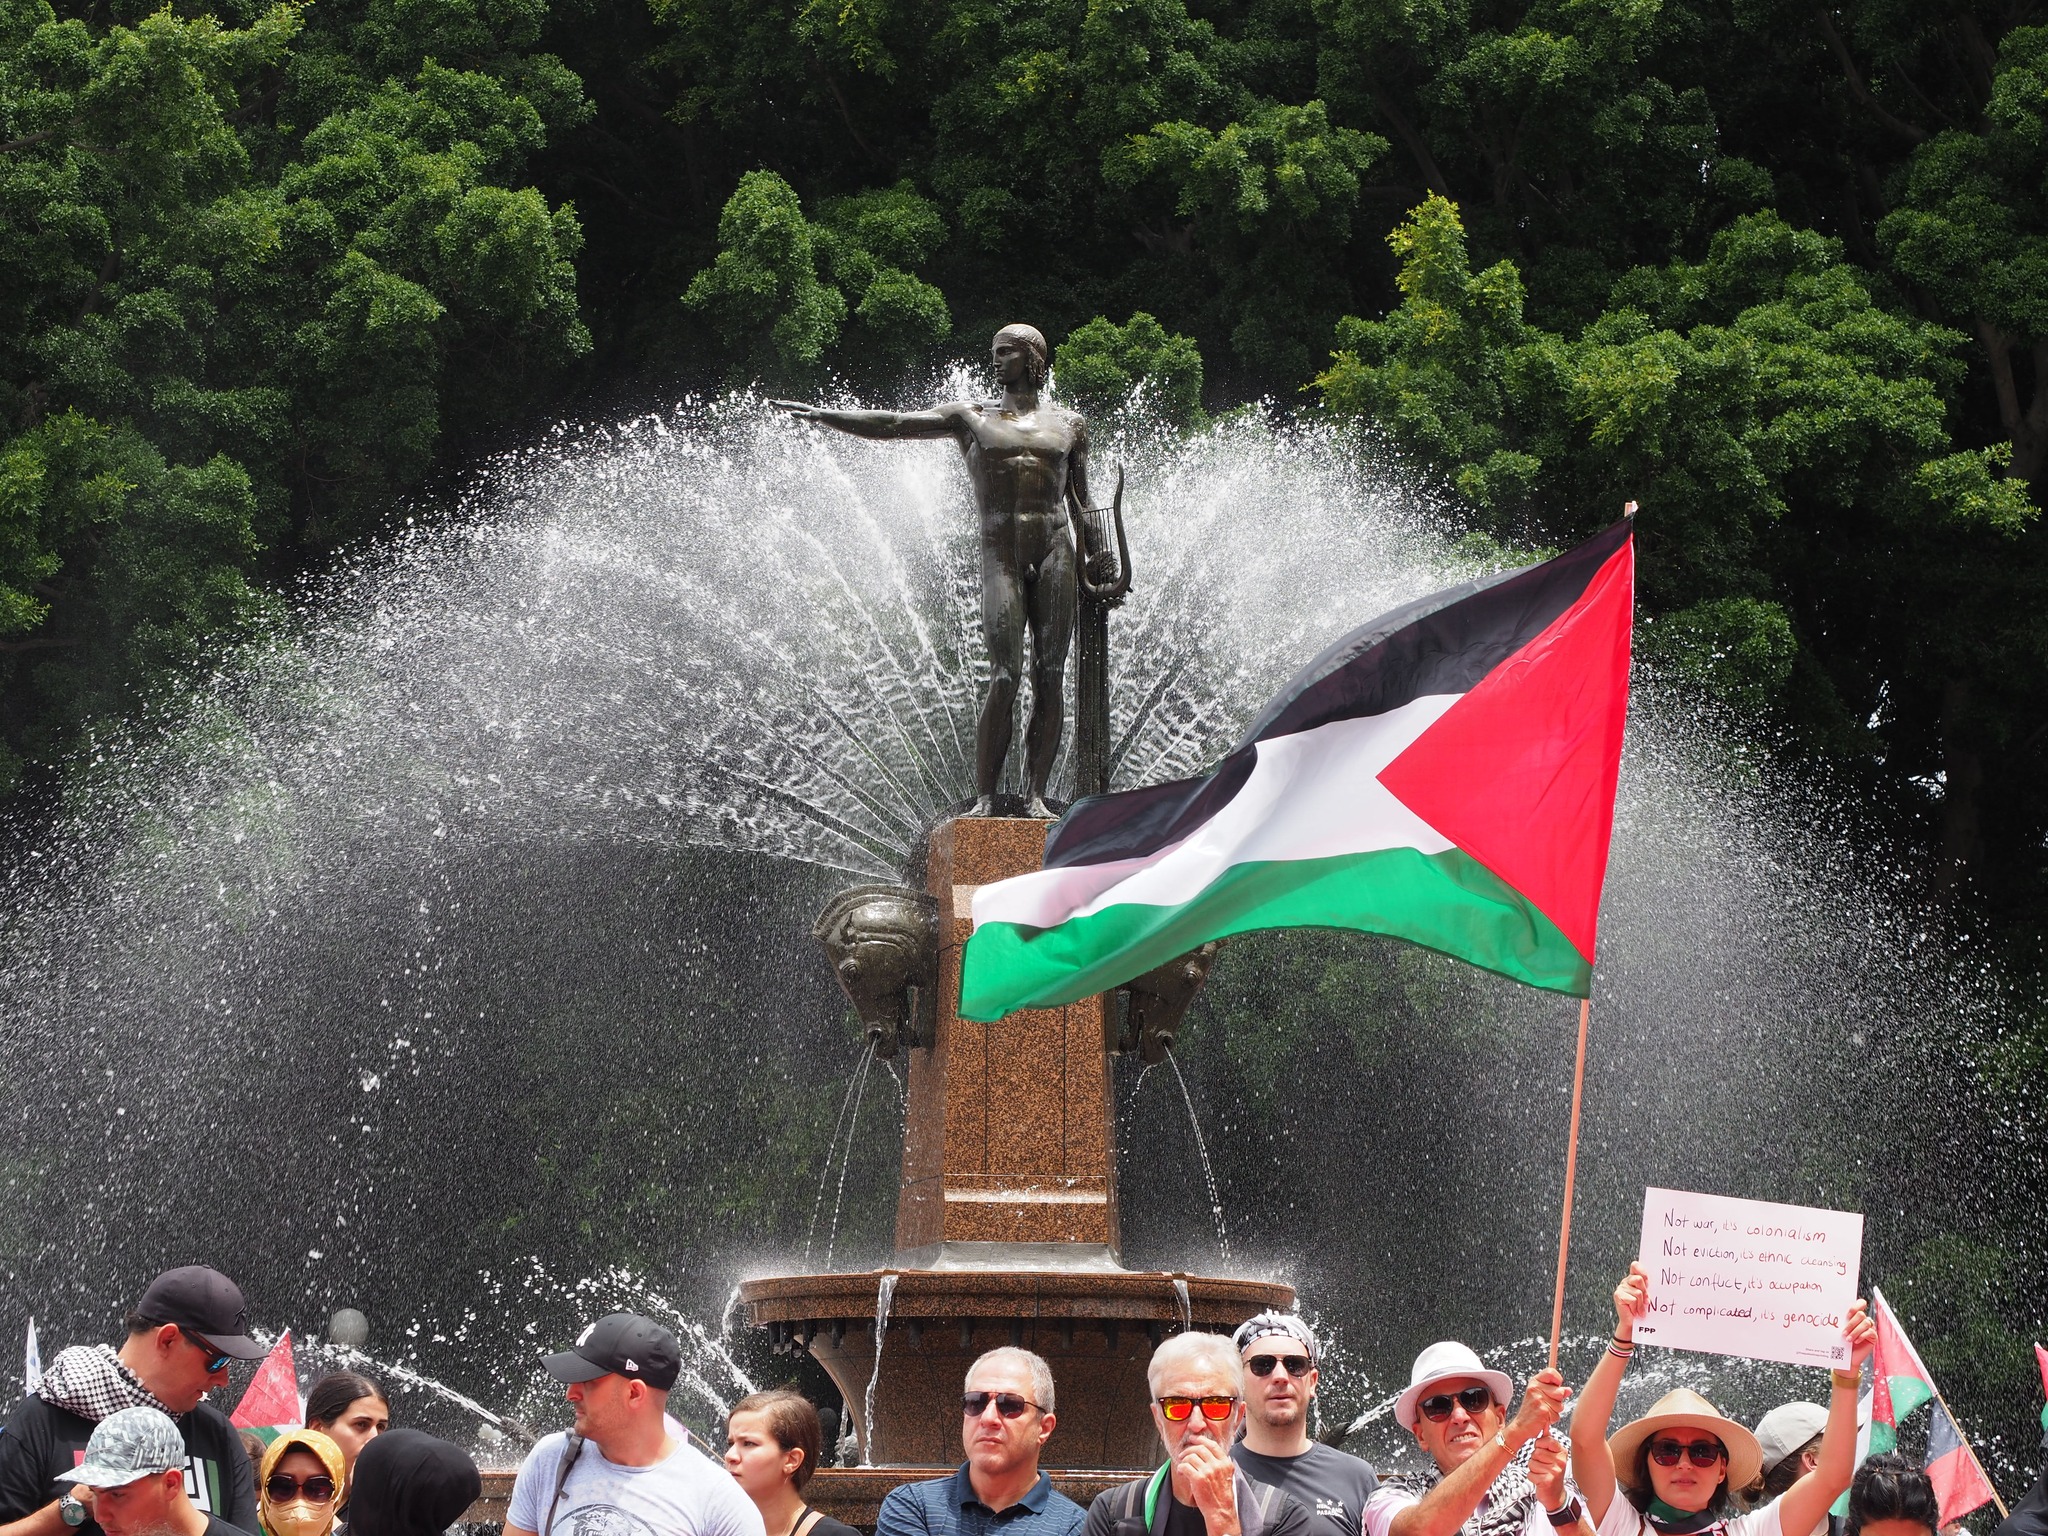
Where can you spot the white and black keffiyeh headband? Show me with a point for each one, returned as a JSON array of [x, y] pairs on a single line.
[[1284, 1324]]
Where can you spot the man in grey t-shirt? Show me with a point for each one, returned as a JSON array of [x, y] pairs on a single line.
[[1279, 1353], [632, 1472]]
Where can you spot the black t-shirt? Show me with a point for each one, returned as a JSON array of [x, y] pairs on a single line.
[[1333, 1485], [1107, 1515], [41, 1441]]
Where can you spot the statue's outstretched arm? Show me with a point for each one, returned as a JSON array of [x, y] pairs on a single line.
[[879, 424]]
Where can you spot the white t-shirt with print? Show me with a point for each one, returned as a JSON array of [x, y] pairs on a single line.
[[686, 1493]]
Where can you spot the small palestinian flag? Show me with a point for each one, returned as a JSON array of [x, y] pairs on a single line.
[[272, 1399], [2041, 1359], [1444, 774], [1959, 1482], [1900, 1383]]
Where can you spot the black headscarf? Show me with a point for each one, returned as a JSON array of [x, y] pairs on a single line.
[[410, 1484]]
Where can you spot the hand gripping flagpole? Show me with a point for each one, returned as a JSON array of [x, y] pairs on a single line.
[[1571, 1169]]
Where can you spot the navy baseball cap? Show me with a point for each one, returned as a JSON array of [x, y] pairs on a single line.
[[206, 1302], [623, 1344]]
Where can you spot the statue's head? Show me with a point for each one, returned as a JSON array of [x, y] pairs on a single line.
[[1019, 353]]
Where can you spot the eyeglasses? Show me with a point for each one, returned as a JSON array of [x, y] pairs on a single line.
[[1008, 1404], [216, 1357], [283, 1487], [1704, 1453], [1180, 1409], [1262, 1365], [1474, 1400]]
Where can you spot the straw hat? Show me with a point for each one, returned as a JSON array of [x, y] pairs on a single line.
[[1681, 1409]]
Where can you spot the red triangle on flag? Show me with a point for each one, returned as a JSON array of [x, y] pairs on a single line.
[[1520, 772], [273, 1397], [1959, 1482]]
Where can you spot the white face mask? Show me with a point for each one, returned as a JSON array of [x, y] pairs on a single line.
[[299, 1517]]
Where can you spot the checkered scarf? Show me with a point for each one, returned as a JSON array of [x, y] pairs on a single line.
[[90, 1381], [1507, 1501]]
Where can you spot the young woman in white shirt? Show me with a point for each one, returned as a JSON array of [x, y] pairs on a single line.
[[1673, 1471]]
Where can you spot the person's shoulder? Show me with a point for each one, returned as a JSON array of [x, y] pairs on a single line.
[[1329, 1460], [1115, 1500], [825, 1525], [1622, 1518], [920, 1493], [215, 1526], [1061, 1513]]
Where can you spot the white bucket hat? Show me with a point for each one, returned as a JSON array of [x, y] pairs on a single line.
[[1443, 1362]]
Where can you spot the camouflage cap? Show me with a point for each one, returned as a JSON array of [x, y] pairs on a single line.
[[126, 1445]]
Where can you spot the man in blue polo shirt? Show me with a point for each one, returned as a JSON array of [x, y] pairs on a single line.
[[1008, 1418]]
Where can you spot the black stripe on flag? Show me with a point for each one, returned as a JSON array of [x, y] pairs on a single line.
[[1443, 643]]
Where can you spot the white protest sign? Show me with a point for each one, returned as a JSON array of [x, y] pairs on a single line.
[[1749, 1277]]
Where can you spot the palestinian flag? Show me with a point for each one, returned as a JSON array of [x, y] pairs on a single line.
[[272, 1399], [1900, 1383], [1959, 1482], [2040, 1358], [1444, 774]]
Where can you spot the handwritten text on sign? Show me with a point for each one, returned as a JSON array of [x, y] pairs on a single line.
[[1749, 1277]]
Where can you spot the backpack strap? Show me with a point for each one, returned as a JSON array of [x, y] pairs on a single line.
[[571, 1449]]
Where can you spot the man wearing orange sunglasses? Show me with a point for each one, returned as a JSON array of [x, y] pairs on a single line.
[[1197, 1385]]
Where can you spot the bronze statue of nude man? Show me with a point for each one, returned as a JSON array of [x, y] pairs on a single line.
[[1027, 460]]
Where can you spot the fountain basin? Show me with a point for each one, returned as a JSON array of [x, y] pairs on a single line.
[[1096, 1327]]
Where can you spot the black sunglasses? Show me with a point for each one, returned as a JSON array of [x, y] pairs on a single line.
[[1474, 1400], [1704, 1453], [1008, 1404], [1262, 1365], [216, 1358], [283, 1487]]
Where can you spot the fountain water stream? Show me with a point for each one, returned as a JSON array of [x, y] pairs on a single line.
[[544, 795]]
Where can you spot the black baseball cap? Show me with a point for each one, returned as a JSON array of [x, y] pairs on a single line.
[[205, 1302], [623, 1344]]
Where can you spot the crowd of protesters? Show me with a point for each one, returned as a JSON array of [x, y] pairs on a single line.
[[120, 1441]]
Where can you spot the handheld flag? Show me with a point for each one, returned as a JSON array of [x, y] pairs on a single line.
[[2040, 1359], [1959, 1482], [1443, 774], [273, 1397], [32, 1362], [1900, 1383]]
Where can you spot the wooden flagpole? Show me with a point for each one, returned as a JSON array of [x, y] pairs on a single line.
[[1571, 1169]]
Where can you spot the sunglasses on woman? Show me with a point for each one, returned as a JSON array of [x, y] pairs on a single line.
[[1474, 1400], [283, 1487], [1008, 1404], [1704, 1453], [1179, 1409], [1262, 1365]]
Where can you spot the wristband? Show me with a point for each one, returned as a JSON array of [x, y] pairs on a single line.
[[1849, 1379], [1563, 1519], [1621, 1349]]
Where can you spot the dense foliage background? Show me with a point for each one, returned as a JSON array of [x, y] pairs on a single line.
[[1778, 272]]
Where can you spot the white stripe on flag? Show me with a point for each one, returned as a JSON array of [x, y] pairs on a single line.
[[1315, 794]]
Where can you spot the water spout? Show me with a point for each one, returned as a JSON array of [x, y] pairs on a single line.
[[885, 1293]]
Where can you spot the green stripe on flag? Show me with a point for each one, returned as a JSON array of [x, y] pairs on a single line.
[[1908, 1393], [1445, 901]]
